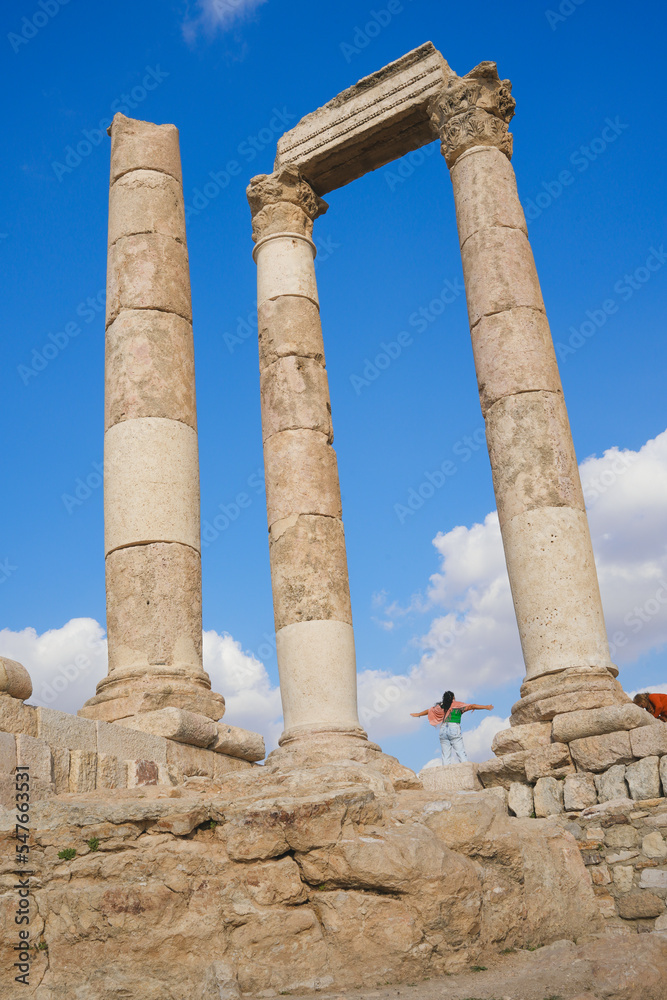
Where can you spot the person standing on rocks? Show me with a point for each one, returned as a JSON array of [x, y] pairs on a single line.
[[656, 704], [447, 715]]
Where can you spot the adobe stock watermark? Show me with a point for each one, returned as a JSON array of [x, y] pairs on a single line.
[[385, 699], [419, 320], [566, 8], [248, 150], [74, 155], [230, 512], [31, 26], [83, 488], [7, 569], [581, 158], [364, 34], [56, 343], [417, 496], [640, 616], [625, 288], [246, 326], [408, 164]]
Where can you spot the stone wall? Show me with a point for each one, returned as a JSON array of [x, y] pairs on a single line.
[[66, 753]]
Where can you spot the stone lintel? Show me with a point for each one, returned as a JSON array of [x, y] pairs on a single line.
[[379, 119]]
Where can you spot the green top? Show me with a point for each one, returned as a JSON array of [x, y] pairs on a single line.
[[454, 715]]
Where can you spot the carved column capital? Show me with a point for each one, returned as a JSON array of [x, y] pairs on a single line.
[[283, 202], [474, 110]]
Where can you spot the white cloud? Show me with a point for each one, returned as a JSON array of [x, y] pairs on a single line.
[[218, 15]]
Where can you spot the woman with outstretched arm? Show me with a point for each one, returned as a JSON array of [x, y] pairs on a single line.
[[447, 715]]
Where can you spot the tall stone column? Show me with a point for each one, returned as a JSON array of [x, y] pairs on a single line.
[[535, 475], [151, 464], [311, 597]]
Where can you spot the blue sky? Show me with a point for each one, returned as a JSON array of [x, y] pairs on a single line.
[[583, 76]]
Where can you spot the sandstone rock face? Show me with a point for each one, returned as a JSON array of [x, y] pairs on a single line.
[[325, 877]]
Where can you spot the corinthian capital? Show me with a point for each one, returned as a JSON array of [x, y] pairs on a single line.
[[474, 110], [283, 202]]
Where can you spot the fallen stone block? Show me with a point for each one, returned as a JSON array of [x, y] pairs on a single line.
[[14, 679], [36, 754], [237, 742], [516, 738], [129, 744], [503, 770], [382, 117], [640, 905], [611, 784], [649, 741], [549, 761], [60, 729], [643, 778], [110, 772], [451, 778], [598, 722], [82, 770], [15, 717], [520, 799], [579, 792], [174, 724], [141, 772], [548, 797], [597, 753]]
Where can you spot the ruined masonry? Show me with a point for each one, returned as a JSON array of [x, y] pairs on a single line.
[[331, 864]]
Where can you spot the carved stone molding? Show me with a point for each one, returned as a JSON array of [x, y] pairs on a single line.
[[283, 202], [474, 110]]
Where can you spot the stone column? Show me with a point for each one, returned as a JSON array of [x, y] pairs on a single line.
[[151, 464], [311, 597], [536, 479]]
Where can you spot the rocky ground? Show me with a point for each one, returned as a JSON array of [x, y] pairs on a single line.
[[606, 967]]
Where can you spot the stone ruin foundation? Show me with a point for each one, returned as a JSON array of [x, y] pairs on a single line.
[[166, 863]]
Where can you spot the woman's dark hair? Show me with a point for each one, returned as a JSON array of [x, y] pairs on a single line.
[[447, 699]]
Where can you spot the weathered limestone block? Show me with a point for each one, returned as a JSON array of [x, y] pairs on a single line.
[[640, 905], [15, 717], [553, 760], [168, 775], [611, 784], [621, 835], [149, 368], [141, 772], [301, 475], [643, 778], [142, 145], [654, 846], [524, 434], [520, 799], [60, 729], [146, 201], [289, 325], [598, 722], [650, 740], [223, 765], [503, 770], [128, 744], [148, 271], [652, 878], [485, 194], [379, 119], [548, 796], [663, 773], [236, 742], [36, 754], [151, 483], [528, 737], [82, 771], [295, 395], [499, 272], [514, 353], [174, 724], [571, 690], [190, 760], [579, 792], [309, 570], [14, 679], [452, 778], [623, 877], [110, 772], [7, 753], [61, 765], [597, 753]]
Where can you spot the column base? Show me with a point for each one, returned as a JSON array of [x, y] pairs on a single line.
[[569, 690], [136, 691], [312, 746]]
